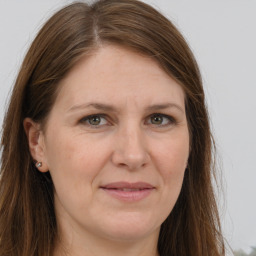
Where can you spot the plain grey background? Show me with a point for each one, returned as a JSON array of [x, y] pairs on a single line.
[[222, 35]]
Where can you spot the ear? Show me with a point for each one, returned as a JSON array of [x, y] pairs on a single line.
[[36, 144]]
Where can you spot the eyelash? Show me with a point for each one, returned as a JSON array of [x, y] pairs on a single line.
[[85, 120], [171, 120]]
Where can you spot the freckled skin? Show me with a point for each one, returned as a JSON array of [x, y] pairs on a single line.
[[126, 147]]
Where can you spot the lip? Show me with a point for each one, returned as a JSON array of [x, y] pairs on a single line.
[[128, 192]]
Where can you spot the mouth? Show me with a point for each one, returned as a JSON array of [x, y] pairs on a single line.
[[129, 192], [128, 189]]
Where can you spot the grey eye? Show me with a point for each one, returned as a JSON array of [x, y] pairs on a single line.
[[94, 120], [160, 120], [157, 119]]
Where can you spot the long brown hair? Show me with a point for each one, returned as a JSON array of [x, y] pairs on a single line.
[[27, 219]]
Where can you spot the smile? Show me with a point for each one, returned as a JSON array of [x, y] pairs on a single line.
[[128, 192]]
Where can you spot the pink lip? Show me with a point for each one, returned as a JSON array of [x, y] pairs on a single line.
[[123, 184], [129, 192]]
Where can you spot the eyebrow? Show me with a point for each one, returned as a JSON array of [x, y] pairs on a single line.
[[108, 107], [98, 106], [164, 106]]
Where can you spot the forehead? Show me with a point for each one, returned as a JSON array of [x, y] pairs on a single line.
[[117, 74]]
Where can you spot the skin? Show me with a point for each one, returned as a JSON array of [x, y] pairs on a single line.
[[125, 144]]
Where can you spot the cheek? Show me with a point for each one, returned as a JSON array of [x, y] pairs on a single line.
[[74, 158], [172, 159], [172, 156], [73, 162]]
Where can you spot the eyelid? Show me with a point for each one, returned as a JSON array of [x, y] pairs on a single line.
[[171, 119], [86, 118]]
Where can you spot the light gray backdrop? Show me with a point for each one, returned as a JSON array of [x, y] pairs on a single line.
[[222, 34]]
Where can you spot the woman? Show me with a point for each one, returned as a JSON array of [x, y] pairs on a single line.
[[106, 143]]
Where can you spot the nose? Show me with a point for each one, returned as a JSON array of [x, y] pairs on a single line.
[[130, 149]]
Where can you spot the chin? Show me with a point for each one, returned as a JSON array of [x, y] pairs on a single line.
[[131, 229], [127, 236]]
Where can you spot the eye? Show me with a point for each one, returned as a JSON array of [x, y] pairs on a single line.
[[94, 120], [161, 120]]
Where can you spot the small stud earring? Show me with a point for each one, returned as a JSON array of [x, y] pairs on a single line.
[[39, 164]]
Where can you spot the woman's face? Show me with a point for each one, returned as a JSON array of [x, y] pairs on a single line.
[[116, 144]]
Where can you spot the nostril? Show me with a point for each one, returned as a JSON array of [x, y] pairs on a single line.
[[130, 151], [131, 162]]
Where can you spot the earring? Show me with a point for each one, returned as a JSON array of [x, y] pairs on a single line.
[[39, 164]]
